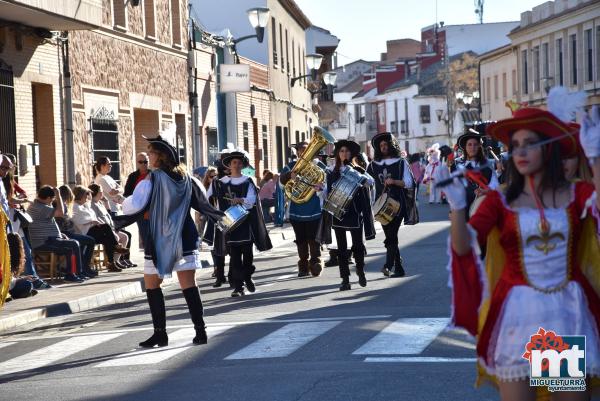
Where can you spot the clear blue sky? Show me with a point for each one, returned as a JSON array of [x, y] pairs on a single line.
[[364, 25]]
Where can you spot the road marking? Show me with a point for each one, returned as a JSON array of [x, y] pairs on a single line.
[[284, 341], [285, 277], [421, 359], [234, 323], [7, 344], [406, 336], [48, 355], [179, 341]]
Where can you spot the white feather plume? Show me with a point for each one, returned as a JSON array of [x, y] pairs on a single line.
[[169, 134], [565, 105]]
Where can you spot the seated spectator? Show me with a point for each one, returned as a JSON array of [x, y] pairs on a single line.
[[67, 227], [86, 222], [267, 194], [20, 286], [99, 206], [17, 198], [45, 235]]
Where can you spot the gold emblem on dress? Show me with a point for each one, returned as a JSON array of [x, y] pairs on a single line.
[[545, 238]]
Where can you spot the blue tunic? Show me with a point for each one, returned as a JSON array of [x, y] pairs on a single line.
[[308, 211]]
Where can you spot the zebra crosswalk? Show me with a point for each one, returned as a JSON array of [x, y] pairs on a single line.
[[401, 341]]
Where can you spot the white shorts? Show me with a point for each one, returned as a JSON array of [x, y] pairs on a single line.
[[189, 262]]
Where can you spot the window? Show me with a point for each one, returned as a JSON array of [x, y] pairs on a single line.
[[176, 22], [394, 127], [598, 53], [304, 65], [149, 19], [279, 146], [504, 86], [589, 68], [488, 89], [524, 75], [303, 136], [246, 138], [8, 130], [297, 136], [403, 127], [545, 61], [559, 61], [265, 146], [536, 69], [281, 46], [287, 53], [105, 141], [274, 40], [299, 63], [573, 55], [424, 114], [496, 91], [514, 82], [293, 59], [119, 14]]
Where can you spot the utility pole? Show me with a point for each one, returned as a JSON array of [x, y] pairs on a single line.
[[479, 10]]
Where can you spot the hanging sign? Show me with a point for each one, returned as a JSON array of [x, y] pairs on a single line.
[[234, 78]]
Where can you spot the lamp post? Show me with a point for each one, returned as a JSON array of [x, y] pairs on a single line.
[[329, 79], [313, 62], [259, 18]]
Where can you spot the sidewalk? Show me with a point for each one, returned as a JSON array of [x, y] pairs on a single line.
[[106, 289]]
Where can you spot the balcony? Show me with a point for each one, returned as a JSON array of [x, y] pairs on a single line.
[[54, 15]]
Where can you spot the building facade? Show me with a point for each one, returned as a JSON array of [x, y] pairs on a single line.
[[32, 88], [498, 82], [130, 78], [558, 43]]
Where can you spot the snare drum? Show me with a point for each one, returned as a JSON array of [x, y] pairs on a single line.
[[234, 216], [343, 191], [385, 209]]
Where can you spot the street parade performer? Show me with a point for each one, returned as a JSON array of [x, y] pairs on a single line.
[[358, 216], [238, 189], [393, 176], [471, 144], [542, 268], [432, 172], [164, 198], [305, 219]]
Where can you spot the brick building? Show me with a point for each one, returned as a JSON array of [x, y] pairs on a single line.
[[129, 78], [31, 123]]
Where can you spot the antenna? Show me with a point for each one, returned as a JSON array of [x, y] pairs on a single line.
[[479, 10]]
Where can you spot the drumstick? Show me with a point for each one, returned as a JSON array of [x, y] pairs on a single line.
[[489, 149]]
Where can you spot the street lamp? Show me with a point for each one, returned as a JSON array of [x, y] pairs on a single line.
[[329, 79], [313, 62], [259, 18]]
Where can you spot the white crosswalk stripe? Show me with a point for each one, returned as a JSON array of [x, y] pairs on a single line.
[[284, 341], [7, 344], [407, 336], [179, 341], [48, 355]]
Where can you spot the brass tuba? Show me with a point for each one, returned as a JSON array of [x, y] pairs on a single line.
[[308, 174]]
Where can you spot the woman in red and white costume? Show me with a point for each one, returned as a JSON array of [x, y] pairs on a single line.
[[542, 267]]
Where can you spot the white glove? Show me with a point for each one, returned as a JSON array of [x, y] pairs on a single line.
[[455, 192], [589, 136]]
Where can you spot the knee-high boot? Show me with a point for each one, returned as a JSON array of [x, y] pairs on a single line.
[[194, 303], [359, 257], [398, 265], [303, 254], [156, 301], [316, 267], [344, 270]]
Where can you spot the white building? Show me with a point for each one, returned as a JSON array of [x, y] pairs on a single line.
[[498, 81]]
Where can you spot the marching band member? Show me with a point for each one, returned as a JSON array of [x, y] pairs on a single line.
[[391, 173], [238, 189], [164, 198], [542, 251], [431, 173], [357, 218], [471, 144], [305, 218]]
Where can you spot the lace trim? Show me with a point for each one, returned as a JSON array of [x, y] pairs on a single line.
[[521, 372]]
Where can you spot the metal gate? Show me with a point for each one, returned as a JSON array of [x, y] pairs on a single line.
[[8, 128], [105, 140]]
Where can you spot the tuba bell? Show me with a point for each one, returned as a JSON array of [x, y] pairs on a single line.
[[308, 174]]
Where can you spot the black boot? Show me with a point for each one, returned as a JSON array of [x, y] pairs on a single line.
[[344, 270], [333, 258], [303, 254], [315, 264], [398, 266], [345, 284], [219, 275], [156, 301], [194, 303], [359, 256]]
